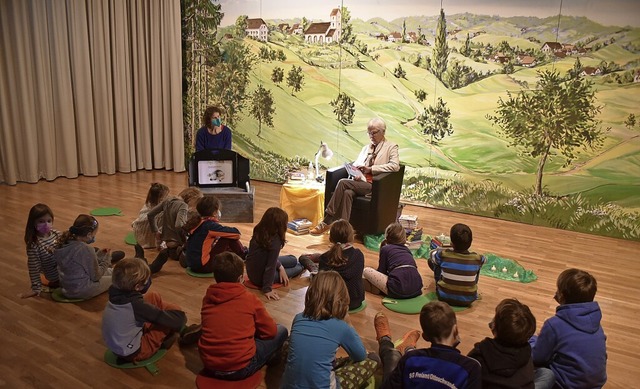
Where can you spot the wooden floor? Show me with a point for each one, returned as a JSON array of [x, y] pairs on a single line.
[[51, 345]]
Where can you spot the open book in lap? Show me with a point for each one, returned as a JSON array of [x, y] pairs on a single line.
[[353, 171]]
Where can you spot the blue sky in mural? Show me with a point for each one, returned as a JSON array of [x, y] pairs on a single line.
[[617, 12]]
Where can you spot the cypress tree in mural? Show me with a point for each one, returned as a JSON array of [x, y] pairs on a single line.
[[559, 116], [404, 31], [262, 107], [200, 21], [466, 49], [440, 48], [434, 121], [343, 108]]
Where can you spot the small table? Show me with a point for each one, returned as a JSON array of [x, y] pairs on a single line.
[[303, 199]]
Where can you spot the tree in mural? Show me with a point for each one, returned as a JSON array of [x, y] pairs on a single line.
[[262, 107], [199, 25], [344, 108], [440, 48], [466, 49], [241, 26], [347, 29], [404, 31], [399, 72], [631, 121], [576, 70], [231, 78], [420, 94], [558, 116], [434, 121], [295, 79], [304, 24], [277, 75]]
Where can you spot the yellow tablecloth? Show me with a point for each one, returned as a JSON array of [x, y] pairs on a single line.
[[303, 200]]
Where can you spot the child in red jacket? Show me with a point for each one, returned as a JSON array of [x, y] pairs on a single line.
[[238, 334]]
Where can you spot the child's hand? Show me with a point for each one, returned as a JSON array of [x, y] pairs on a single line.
[[273, 295], [30, 294], [284, 279]]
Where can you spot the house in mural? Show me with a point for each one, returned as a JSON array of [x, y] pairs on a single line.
[[296, 29], [257, 29], [395, 37], [284, 27], [591, 71], [551, 47], [527, 61], [412, 37], [325, 32]]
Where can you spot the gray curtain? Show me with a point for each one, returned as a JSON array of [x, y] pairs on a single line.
[[89, 87]]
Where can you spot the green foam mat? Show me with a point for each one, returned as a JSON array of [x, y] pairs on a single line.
[[130, 238], [360, 308], [150, 364], [413, 306], [372, 242], [198, 275], [57, 295], [107, 211], [506, 269]]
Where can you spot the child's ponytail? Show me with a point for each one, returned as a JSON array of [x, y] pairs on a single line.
[[83, 225]]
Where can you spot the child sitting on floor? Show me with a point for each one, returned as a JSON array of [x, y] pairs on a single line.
[[207, 237], [145, 237], [397, 275], [441, 365], [316, 334], [456, 269], [571, 349], [174, 216], [238, 334], [506, 358], [265, 265], [136, 324], [347, 260], [41, 239], [84, 272]]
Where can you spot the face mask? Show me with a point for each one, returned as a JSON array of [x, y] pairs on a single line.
[[216, 122], [43, 228], [92, 240], [146, 286]]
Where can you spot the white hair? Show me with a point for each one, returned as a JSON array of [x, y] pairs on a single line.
[[378, 124]]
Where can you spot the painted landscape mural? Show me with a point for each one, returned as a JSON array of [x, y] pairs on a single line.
[[526, 114]]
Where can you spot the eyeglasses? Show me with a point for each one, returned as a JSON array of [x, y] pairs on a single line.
[[374, 132]]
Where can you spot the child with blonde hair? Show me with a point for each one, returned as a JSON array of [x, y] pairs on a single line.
[[347, 260], [145, 237], [174, 216], [137, 323], [397, 275], [316, 334], [41, 239]]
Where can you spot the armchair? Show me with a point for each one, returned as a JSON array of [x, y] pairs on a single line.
[[370, 214]]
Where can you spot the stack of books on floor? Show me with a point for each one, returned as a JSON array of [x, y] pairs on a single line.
[[408, 221], [414, 238], [299, 226], [440, 241]]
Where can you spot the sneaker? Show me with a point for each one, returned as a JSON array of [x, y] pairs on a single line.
[[116, 256], [381, 324], [190, 334], [320, 229], [169, 341], [409, 340]]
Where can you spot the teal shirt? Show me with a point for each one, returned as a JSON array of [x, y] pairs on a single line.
[[312, 349]]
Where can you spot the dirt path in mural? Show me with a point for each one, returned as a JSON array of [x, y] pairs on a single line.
[[594, 160]]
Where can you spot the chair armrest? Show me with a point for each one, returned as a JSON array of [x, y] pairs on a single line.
[[334, 175], [385, 192]]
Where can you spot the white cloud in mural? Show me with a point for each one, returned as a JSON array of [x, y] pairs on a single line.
[[616, 12]]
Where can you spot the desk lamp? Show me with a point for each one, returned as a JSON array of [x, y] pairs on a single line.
[[326, 153]]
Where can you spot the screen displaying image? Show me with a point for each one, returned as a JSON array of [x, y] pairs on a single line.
[[215, 172]]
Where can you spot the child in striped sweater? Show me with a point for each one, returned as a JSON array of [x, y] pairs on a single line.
[[456, 269], [41, 238]]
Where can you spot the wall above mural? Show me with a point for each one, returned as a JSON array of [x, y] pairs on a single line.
[[521, 113]]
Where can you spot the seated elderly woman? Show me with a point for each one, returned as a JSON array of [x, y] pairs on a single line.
[[380, 156], [213, 134]]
